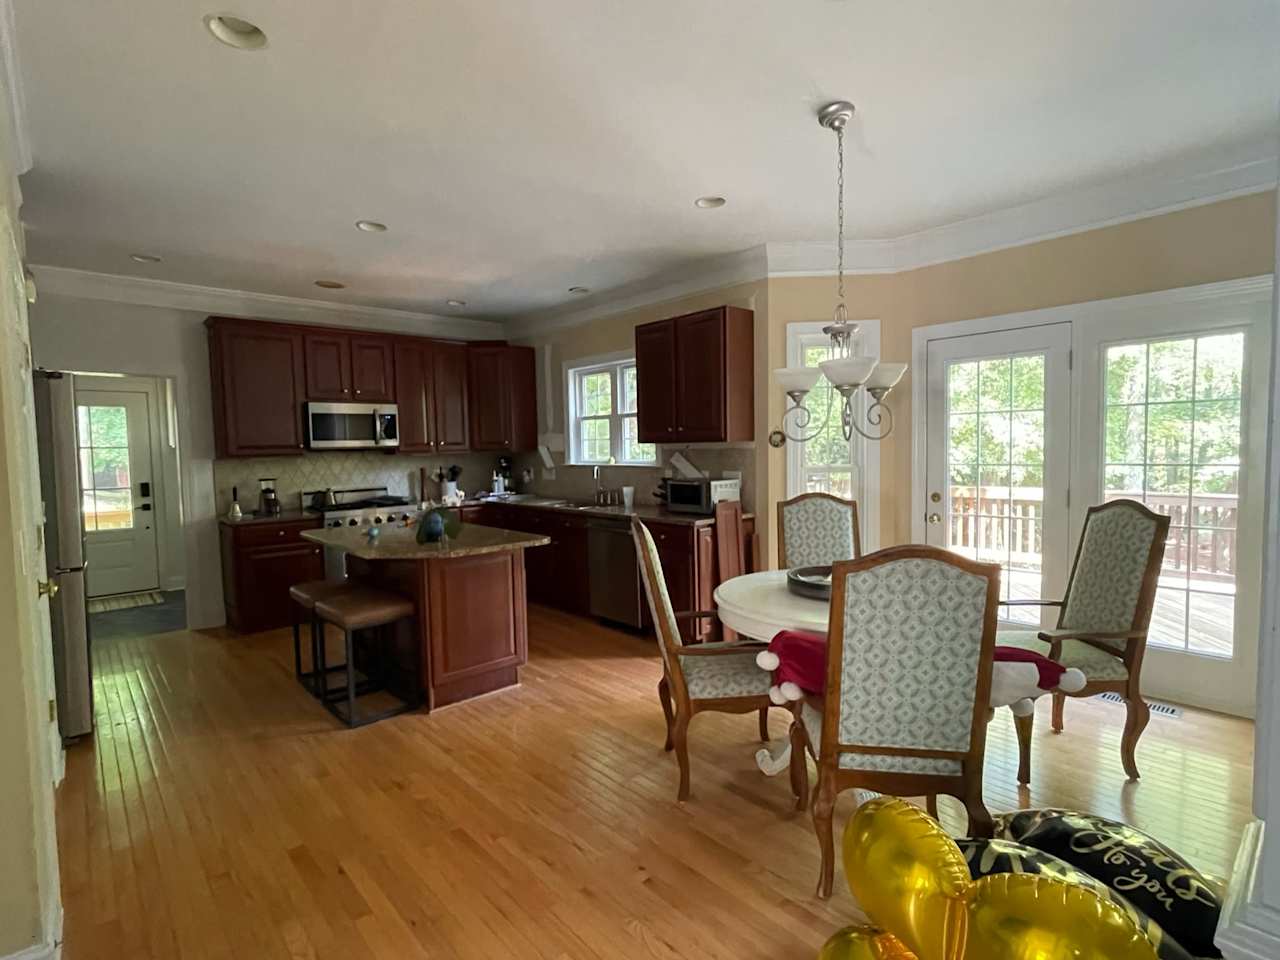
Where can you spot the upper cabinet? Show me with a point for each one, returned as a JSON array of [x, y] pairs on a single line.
[[256, 372], [355, 367], [431, 394], [504, 402], [695, 377]]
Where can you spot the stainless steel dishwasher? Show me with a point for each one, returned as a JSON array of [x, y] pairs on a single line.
[[616, 591]]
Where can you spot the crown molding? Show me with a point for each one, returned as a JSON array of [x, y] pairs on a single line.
[[11, 79], [1230, 173], [143, 291], [706, 274]]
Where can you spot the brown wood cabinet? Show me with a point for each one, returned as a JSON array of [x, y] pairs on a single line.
[[260, 562], [354, 367], [503, 408], [695, 377], [258, 382], [431, 395], [452, 404]]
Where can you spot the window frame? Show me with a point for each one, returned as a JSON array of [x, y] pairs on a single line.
[[616, 365]]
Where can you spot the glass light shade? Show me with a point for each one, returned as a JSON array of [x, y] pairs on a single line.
[[796, 379], [886, 376], [847, 371]]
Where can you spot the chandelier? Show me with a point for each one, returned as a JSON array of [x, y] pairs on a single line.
[[846, 372]]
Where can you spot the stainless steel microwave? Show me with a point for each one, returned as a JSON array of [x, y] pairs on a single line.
[[352, 426]]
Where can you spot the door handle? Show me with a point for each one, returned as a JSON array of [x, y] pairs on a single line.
[[144, 489], [47, 588], [144, 506], [935, 518]]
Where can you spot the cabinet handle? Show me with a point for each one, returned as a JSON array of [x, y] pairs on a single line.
[[279, 533], [316, 550], [357, 393], [346, 389]]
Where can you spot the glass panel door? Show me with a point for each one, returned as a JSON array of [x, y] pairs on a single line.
[[997, 438], [1173, 430], [105, 484]]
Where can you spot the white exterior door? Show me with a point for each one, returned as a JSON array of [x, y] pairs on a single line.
[[1173, 403], [997, 448], [117, 490]]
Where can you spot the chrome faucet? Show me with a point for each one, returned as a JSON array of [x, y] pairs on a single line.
[[595, 475]]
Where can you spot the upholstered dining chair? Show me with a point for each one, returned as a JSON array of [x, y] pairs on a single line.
[[722, 677], [909, 651], [1103, 618], [816, 529]]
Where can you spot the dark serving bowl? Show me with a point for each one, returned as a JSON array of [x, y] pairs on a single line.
[[811, 582]]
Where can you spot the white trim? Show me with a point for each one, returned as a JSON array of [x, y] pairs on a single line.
[[710, 273], [868, 493], [145, 291], [41, 951], [1250, 289], [14, 92], [1247, 928]]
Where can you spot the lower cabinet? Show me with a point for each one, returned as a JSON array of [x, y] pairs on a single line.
[[260, 562], [688, 561]]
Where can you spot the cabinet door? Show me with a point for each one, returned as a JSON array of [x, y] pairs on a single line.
[[655, 381], [414, 396], [328, 366], [524, 399], [372, 369], [257, 373], [490, 410], [449, 386], [700, 373], [268, 573], [675, 550], [573, 569]]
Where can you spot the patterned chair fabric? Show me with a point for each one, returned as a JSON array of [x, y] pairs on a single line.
[[912, 648], [1104, 589], [718, 677], [1096, 664], [656, 592], [816, 532], [878, 762]]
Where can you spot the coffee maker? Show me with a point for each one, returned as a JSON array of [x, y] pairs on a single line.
[[268, 500]]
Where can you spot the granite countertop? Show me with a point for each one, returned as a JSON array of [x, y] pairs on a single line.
[[284, 516], [654, 512], [400, 543]]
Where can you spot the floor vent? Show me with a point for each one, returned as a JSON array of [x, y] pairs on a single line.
[[1158, 708]]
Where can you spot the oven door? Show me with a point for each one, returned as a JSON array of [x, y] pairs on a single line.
[[352, 426]]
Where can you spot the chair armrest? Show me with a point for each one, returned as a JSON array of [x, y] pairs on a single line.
[[695, 614], [721, 648], [1031, 603], [1049, 636]]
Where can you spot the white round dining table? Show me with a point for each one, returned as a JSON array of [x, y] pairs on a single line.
[[758, 606]]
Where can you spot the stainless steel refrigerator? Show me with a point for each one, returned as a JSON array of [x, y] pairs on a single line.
[[64, 550]]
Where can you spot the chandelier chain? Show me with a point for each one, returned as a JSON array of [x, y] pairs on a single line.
[[840, 212]]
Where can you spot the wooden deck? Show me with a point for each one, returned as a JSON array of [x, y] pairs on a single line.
[[220, 813]]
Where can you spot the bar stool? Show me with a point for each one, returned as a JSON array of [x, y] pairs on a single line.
[[352, 611], [305, 595]]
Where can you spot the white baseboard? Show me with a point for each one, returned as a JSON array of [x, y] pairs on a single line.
[[41, 951], [1247, 929]]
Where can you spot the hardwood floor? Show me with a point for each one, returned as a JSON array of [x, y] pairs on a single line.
[[220, 813]]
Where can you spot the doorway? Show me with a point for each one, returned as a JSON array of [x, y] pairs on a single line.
[[1028, 420]]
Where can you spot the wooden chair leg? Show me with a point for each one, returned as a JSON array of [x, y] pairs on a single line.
[[980, 822], [1138, 714], [799, 765], [1059, 704], [764, 724], [931, 805], [823, 805], [680, 734], [664, 696], [1024, 726]]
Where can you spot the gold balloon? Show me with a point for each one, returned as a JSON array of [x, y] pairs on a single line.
[[913, 882], [863, 943]]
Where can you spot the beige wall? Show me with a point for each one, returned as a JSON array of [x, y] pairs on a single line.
[[1221, 241]]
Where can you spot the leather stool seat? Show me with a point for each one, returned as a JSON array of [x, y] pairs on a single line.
[[361, 608], [306, 594]]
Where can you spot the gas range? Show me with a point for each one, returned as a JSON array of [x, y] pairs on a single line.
[[359, 508]]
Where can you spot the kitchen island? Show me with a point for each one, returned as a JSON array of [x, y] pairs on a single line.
[[470, 631]]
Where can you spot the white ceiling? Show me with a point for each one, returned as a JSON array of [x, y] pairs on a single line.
[[516, 149]]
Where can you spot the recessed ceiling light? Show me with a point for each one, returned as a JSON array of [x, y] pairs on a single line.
[[708, 203], [371, 226], [579, 290], [331, 284], [456, 303], [235, 32], [143, 258]]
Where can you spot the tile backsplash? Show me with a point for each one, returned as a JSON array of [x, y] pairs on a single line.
[[399, 474]]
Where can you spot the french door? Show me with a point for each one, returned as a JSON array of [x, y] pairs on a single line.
[[113, 433], [998, 456]]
